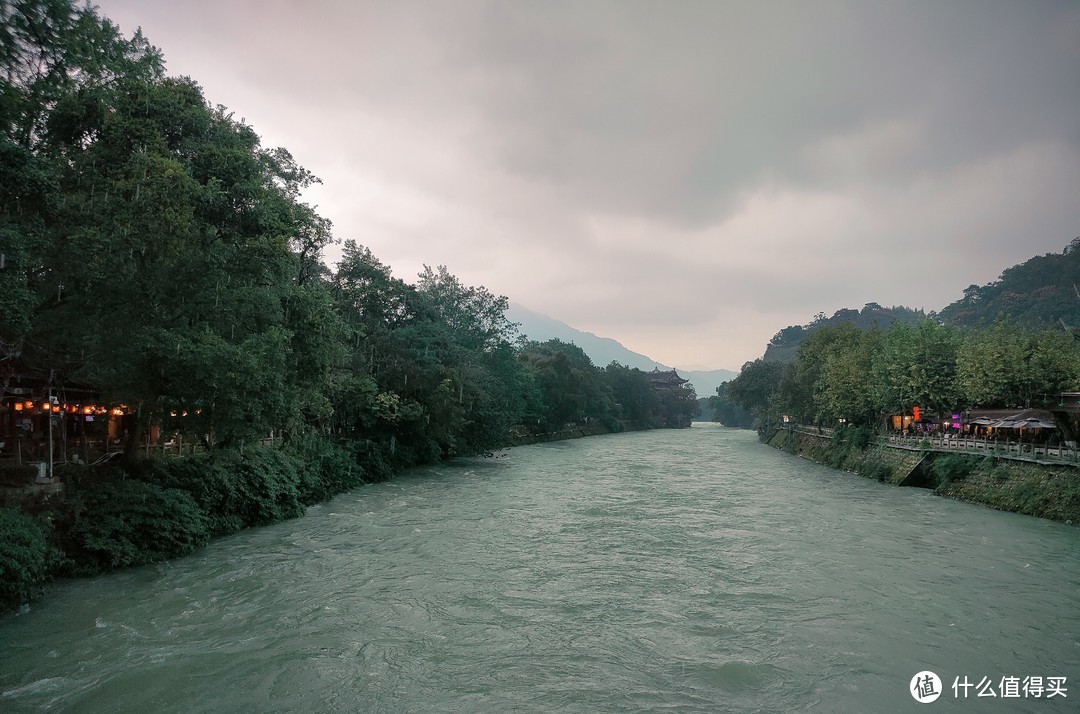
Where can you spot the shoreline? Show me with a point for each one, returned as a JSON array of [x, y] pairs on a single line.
[[1030, 488]]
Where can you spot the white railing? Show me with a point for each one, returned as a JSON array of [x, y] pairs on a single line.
[[989, 447]]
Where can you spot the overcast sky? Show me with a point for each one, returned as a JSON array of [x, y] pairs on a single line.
[[684, 177]]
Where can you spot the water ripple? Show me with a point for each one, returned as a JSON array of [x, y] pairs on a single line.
[[690, 571]]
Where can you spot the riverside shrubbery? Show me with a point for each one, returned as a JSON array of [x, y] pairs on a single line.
[[121, 515], [325, 468], [25, 557], [952, 467], [234, 490], [125, 522], [847, 441]]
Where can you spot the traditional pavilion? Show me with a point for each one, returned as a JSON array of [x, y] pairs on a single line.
[[665, 380]]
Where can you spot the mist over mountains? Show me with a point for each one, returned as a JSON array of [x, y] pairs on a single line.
[[604, 350], [1040, 293]]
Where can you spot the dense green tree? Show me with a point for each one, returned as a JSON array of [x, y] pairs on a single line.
[[151, 246], [991, 366], [432, 367], [1004, 366], [917, 366], [846, 390], [726, 411], [57, 61], [635, 399], [175, 267], [375, 310], [823, 384], [678, 407], [480, 360], [755, 388], [570, 386], [784, 345]]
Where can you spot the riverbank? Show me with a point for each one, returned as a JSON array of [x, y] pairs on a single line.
[[1033, 489], [120, 515], [574, 432], [692, 570]]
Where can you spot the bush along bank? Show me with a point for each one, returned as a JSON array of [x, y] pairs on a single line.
[[127, 514], [1032, 489], [1044, 491], [122, 515]]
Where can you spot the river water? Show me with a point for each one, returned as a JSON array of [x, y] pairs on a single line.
[[685, 571]]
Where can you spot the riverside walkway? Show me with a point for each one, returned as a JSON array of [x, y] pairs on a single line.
[[1000, 448], [955, 444]]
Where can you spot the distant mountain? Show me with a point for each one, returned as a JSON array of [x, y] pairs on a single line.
[[604, 350], [706, 381], [1040, 293]]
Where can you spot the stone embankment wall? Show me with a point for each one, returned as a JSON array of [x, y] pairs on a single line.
[[889, 465], [1045, 491], [1032, 489]]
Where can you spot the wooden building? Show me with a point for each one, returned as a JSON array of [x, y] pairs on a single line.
[[665, 380]]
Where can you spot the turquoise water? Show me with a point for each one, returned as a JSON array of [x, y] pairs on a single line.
[[687, 571]]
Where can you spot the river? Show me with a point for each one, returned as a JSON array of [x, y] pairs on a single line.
[[687, 571]]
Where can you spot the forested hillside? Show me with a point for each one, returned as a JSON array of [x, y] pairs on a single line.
[[785, 343], [155, 257], [1003, 345], [1010, 344], [1040, 293], [156, 251]]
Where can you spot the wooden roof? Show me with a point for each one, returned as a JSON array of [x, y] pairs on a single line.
[[665, 378]]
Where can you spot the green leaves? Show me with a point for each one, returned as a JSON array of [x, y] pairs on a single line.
[[1039, 294], [758, 382], [1008, 366], [842, 372], [123, 523], [570, 387], [156, 249], [25, 557]]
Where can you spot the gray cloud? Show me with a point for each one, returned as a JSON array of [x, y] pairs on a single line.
[[684, 177]]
